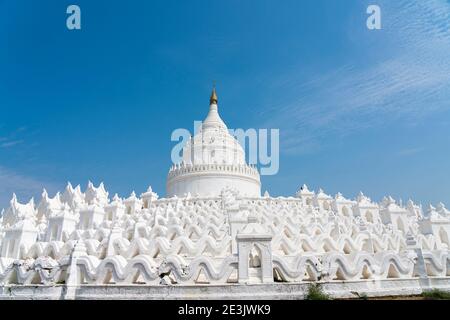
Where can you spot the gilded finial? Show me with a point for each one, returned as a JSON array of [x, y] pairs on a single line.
[[213, 99]]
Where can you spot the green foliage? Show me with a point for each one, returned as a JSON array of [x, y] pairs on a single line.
[[436, 294], [315, 292]]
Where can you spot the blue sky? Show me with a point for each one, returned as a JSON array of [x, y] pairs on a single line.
[[357, 109]]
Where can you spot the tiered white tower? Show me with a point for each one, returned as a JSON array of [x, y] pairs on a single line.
[[213, 160]]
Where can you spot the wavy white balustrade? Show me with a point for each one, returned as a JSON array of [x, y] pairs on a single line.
[[190, 241]]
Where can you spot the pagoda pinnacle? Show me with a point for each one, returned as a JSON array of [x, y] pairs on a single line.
[[213, 99]]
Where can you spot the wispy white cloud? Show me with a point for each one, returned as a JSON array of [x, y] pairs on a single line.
[[409, 152], [12, 139], [10, 143], [410, 82]]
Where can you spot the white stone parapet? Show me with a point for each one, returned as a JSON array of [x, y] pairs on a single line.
[[244, 170], [210, 179]]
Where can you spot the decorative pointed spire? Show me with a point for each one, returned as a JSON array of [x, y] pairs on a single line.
[[213, 119], [44, 194], [213, 99], [14, 198]]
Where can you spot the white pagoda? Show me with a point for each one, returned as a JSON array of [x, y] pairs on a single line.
[[213, 160], [215, 237]]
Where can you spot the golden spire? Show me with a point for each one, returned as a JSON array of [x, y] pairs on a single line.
[[213, 99]]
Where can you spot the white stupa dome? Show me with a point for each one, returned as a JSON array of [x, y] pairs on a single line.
[[213, 160]]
